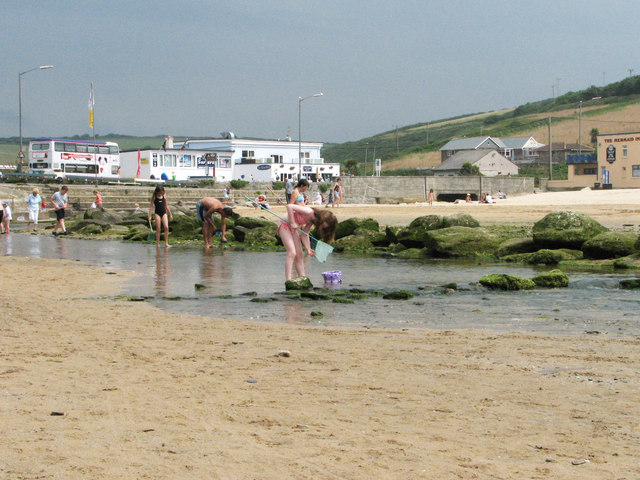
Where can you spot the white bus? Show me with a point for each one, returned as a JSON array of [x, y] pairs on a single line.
[[74, 158]]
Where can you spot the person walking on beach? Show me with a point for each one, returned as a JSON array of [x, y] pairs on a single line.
[[337, 193], [297, 196], [60, 201], [288, 190], [33, 204], [303, 217], [97, 203], [6, 217], [430, 197], [160, 208], [205, 208]]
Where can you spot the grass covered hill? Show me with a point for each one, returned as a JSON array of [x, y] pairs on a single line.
[[612, 108]]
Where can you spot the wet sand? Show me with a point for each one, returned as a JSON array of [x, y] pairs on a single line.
[[149, 394]]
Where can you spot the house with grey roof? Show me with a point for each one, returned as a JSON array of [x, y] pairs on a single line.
[[489, 161], [468, 144], [521, 150]]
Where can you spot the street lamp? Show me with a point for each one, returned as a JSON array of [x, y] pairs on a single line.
[[42, 67], [300, 100]]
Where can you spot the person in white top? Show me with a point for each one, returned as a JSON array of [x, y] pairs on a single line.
[[33, 201]]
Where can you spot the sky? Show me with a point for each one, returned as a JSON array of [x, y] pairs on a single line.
[[201, 67]]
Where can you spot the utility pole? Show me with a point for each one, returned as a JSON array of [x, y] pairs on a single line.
[[366, 153], [550, 152], [558, 91], [553, 91], [631, 72], [580, 130]]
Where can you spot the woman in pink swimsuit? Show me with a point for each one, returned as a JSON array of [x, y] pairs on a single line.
[[303, 217]]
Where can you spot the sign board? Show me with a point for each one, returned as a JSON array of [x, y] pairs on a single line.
[[209, 160], [611, 154], [264, 167]]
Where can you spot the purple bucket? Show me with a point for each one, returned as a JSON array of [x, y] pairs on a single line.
[[332, 277]]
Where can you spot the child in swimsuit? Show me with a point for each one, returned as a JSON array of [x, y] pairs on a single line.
[[303, 217], [160, 207]]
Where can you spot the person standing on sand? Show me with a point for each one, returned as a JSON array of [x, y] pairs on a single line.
[[6, 217], [205, 208], [288, 190], [160, 207], [297, 195], [98, 200], [337, 193], [60, 202], [33, 204], [430, 197]]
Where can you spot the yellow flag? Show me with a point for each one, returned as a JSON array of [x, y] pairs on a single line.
[[91, 104]]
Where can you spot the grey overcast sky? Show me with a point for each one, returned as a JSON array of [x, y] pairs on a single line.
[[200, 67]]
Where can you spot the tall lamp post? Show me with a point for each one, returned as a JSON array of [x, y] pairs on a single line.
[[42, 67], [300, 100]]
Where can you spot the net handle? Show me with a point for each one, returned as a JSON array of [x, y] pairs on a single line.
[[285, 221]]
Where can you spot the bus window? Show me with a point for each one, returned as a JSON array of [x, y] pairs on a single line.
[[92, 148], [40, 146], [59, 147], [69, 147], [113, 149], [102, 149], [81, 148], [114, 170]]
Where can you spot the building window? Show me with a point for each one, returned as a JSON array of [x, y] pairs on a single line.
[[635, 170], [590, 171], [625, 150], [276, 159], [248, 154]]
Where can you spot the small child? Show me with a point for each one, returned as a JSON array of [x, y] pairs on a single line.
[[6, 217]]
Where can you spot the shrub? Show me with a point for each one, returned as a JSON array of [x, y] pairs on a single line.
[[323, 187], [278, 185], [206, 183], [238, 184]]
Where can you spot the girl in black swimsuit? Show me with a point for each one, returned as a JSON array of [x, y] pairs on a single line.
[[160, 207]]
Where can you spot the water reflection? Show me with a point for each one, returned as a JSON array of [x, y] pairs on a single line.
[[162, 271], [593, 301]]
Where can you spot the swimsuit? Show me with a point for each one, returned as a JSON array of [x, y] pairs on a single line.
[[160, 205], [299, 219], [201, 212], [300, 198]]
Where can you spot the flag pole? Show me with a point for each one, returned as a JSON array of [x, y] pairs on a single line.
[[93, 128]]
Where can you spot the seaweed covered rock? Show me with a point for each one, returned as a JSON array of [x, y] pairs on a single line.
[[248, 222], [610, 245], [398, 295], [349, 226], [377, 239], [553, 257], [630, 283], [392, 233], [460, 242], [262, 236], [87, 226], [565, 229], [460, 220], [185, 227], [502, 281], [360, 242], [298, 283], [413, 236], [514, 246], [553, 279], [137, 218], [137, 233], [108, 216]]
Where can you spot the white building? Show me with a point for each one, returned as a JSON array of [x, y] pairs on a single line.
[[489, 162], [269, 160], [177, 164]]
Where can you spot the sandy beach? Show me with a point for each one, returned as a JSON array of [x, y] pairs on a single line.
[[92, 386], [612, 208]]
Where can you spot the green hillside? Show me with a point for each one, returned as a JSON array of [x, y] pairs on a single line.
[[522, 120]]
